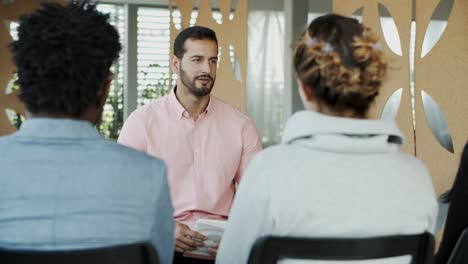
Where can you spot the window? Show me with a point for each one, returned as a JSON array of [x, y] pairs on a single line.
[[152, 53], [153, 43], [112, 116]]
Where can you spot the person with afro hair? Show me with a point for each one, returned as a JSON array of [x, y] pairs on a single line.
[[63, 186]]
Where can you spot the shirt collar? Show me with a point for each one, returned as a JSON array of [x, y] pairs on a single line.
[[180, 110], [58, 128], [305, 124]]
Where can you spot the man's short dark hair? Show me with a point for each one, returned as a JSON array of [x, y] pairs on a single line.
[[195, 32], [63, 55]]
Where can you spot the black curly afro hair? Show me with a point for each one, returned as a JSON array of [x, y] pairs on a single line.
[[63, 56]]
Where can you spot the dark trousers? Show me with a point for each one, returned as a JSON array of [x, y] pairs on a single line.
[[179, 259]]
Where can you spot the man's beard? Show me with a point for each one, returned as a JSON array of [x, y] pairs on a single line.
[[191, 85]]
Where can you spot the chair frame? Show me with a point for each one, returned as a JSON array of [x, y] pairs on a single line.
[[137, 253], [459, 253], [270, 249]]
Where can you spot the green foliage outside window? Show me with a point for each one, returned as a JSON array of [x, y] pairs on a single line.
[[112, 117], [155, 84]]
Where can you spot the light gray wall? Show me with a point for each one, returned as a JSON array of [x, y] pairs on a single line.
[[266, 5], [315, 6], [296, 12]]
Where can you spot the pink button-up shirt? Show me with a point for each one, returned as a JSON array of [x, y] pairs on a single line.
[[203, 157]]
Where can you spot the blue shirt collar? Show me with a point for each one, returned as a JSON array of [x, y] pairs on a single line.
[[58, 128]]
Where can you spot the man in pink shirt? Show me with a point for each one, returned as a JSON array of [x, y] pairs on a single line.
[[205, 142]]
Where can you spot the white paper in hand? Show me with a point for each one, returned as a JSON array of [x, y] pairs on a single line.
[[213, 230]]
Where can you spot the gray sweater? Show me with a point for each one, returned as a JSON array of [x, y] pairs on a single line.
[[331, 177]]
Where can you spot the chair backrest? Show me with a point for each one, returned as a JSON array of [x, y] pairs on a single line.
[[139, 253], [270, 249], [460, 251]]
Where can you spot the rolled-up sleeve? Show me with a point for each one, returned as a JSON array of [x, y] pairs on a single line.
[[251, 144]]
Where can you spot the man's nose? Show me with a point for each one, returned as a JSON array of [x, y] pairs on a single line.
[[206, 67]]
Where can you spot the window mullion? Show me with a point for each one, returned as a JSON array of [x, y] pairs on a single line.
[[131, 63]]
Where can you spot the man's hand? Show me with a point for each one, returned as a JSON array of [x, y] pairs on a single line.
[[213, 250], [185, 238]]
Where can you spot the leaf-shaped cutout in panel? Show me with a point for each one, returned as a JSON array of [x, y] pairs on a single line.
[[176, 17], [390, 30], [12, 27], [218, 17], [11, 84], [15, 118], [392, 105], [193, 17], [233, 9], [437, 121], [220, 56], [234, 62], [358, 14], [225, 8], [437, 25]]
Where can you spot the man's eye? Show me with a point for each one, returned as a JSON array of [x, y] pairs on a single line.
[[196, 60]]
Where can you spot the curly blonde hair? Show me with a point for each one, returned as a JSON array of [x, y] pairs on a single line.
[[342, 62]]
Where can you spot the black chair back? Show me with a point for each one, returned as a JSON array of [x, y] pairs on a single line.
[[460, 251], [139, 253], [270, 249]]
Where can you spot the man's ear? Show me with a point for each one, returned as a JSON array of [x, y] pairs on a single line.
[[175, 64], [103, 93]]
